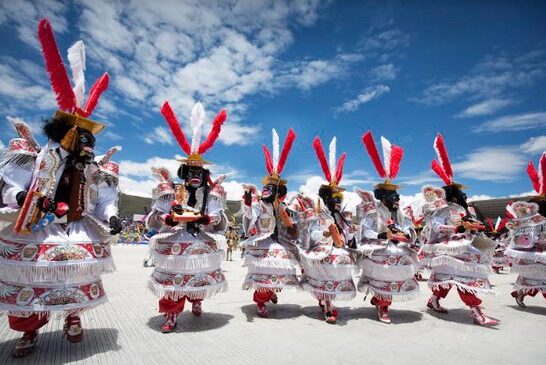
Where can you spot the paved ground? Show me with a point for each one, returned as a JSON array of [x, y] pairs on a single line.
[[127, 329]]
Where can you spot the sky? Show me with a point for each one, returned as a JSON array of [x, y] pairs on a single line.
[[473, 71]]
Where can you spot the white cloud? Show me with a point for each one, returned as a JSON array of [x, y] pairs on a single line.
[[499, 163], [367, 95], [384, 72], [385, 41], [514, 122], [159, 135], [534, 145], [486, 107]]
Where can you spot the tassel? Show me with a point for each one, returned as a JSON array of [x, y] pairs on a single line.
[[70, 140]]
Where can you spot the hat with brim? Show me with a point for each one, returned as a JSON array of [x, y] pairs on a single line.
[[79, 121], [194, 159], [273, 179], [387, 185]]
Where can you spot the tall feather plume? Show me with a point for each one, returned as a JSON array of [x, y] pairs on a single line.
[[196, 121], [317, 145], [55, 68], [497, 223], [276, 149], [542, 173], [23, 130], [332, 156], [371, 148], [387, 147], [440, 172], [76, 59], [94, 94], [443, 157], [214, 132], [340, 165], [268, 160], [287, 146], [109, 154], [397, 153], [533, 175], [502, 224], [176, 130]]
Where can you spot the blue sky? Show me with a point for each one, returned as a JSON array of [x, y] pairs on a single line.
[[406, 70]]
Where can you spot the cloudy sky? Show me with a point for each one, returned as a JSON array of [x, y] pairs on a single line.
[[473, 71]]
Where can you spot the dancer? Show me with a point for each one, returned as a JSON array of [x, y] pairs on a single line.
[[528, 238], [270, 251], [388, 263], [53, 256], [499, 234], [450, 233], [190, 245], [327, 265]]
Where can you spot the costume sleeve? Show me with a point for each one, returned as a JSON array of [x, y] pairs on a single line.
[[215, 210], [438, 226], [368, 227], [107, 202], [16, 178], [250, 216], [161, 206]]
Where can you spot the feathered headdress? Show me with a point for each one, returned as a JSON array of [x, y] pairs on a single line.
[[538, 178], [275, 163], [70, 99], [333, 172], [498, 226], [442, 166], [392, 156], [196, 149]]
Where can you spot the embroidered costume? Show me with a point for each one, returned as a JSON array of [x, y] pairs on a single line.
[[327, 265], [191, 220], [270, 251], [388, 263], [528, 238], [52, 257], [452, 237], [499, 234]]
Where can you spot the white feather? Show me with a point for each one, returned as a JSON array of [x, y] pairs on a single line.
[[387, 149], [499, 220], [76, 58], [332, 158], [276, 149], [196, 122]]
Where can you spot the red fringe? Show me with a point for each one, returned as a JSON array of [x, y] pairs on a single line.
[[60, 82], [340, 164], [440, 172], [441, 149], [371, 148], [290, 137], [268, 159], [542, 169], [94, 94], [214, 132], [533, 175], [176, 130], [317, 145], [397, 153]]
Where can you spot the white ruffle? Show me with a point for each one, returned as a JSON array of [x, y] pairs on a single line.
[[526, 255], [187, 264], [60, 310], [383, 295], [259, 287], [452, 248], [446, 284], [387, 272], [533, 271], [327, 270], [460, 266], [526, 289], [270, 263], [54, 272], [327, 295], [173, 293]]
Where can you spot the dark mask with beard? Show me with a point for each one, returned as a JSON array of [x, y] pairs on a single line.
[[331, 199], [456, 195], [195, 176], [269, 193], [389, 198], [85, 147]]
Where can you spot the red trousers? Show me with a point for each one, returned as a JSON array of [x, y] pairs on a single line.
[[534, 292], [28, 324], [174, 306], [469, 299], [381, 302], [262, 297]]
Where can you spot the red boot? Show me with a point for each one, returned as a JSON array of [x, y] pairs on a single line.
[[25, 345], [481, 319], [170, 323], [382, 312], [519, 296], [196, 308], [331, 316], [262, 310], [73, 329], [434, 304]]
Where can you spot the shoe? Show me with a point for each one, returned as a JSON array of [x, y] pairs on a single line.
[[481, 319], [496, 269], [434, 304], [274, 299], [383, 314], [196, 308], [25, 345], [321, 305], [170, 323], [73, 329], [419, 277], [331, 316], [519, 296], [262, 311]]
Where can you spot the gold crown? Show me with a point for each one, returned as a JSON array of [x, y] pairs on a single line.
[[79, 121], [194, 159]]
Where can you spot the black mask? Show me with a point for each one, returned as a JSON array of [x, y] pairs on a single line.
[[269, 193], [195, 176], [85, 146], [391, 199], [333, 203]]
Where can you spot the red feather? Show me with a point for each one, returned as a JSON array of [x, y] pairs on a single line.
[[440, 172], [94, 94], [339, 169], [214, 132], [268, 159], [287, 146], [441, 150], [397, 153], [502, 224], [533, 175], [542, 173], [176, 130], [490, 223], [371, 148], [317, 145], [60, 82]]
